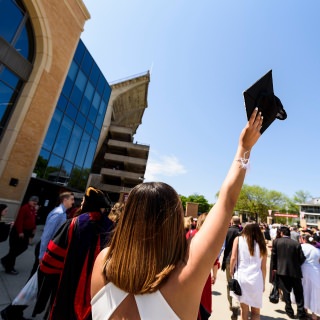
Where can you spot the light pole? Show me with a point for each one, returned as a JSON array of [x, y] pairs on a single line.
[[287, 215]]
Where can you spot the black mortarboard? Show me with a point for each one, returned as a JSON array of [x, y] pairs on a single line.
[[261, 95]]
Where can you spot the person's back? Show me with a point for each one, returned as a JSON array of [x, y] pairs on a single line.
[[287, 258], [148, 306], [149, 253], [248, 266], [70, 256]]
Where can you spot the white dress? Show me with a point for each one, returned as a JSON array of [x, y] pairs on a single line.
[[249, 275], [311, 277], [150, 306]]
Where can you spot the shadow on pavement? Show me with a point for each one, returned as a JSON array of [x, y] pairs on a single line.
[[281, 314]]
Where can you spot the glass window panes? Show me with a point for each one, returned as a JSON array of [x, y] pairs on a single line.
[[87, 63], [81, 120], [63, 136], [94, 107], [106, 93], [22, 44], [8, 77], [90, 154], [53, 129], [74, 143], [77, 179], [53, 169], [6, 94], [71, 111], [73, 71], [101, 114], [78, 89], [16, 30], [42, 163], [89, 127], [101, 84], [96, 133], [62, 102], [65, 173], [67, 87], [83, 148], [10, 19], [94, 76], [73, 135], [79, 52]]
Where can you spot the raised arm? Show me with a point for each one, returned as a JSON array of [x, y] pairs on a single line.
[[205, 247]]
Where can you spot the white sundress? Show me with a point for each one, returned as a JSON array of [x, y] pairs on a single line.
[[311, 277], [249, 275], [150, 306]]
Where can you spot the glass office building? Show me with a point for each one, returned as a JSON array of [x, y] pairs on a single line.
[[68, 149]]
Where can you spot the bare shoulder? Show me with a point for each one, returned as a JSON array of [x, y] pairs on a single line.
[[98, 278]]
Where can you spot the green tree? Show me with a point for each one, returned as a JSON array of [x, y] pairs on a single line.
[[256, 201], [301, 196], [203, 203]]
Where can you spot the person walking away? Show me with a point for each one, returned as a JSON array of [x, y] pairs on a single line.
[[233, 232], [311, 275], [149, 270], [23, 229], [287, 258], [70, 256], [55, 219], [248, 265]]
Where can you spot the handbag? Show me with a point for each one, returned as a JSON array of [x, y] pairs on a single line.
[[235, 286], [28, 293], [233, 283]]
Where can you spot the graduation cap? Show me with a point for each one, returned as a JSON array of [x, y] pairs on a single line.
[[261, 95]]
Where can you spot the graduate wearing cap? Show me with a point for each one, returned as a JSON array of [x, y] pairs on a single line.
[[71, 255], [22, 231]]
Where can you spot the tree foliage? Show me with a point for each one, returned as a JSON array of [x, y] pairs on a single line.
[[301, 196], [203, 203], [255, 201]]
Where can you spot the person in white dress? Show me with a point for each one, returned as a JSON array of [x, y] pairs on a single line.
[[311, 275], [145, 272], [248, 265]]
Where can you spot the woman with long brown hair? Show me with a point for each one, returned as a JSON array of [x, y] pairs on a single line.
[[248, 265], [145, 272]]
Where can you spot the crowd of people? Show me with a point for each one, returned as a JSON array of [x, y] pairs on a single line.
[[294, 267], [135, 260]]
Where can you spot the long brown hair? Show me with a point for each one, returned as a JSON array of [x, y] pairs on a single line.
[[149, 240], [252, 233]]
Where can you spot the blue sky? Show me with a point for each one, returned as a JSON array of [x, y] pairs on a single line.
[[202, 55]]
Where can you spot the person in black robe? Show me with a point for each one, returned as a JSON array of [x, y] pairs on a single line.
[[70, 257]]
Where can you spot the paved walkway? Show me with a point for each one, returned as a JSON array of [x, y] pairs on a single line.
[[10, 285]]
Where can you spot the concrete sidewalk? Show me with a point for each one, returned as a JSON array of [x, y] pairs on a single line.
[[10, 286]]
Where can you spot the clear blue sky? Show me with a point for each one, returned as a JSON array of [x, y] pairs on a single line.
[[202, 55]]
